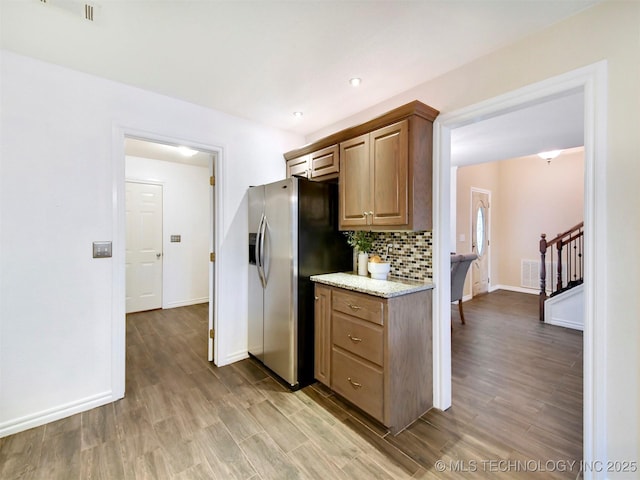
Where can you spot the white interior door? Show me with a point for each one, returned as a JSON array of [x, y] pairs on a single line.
[[480, 202], [143, 246]]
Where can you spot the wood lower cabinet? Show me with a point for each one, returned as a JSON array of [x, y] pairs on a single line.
[[378, 350], [322, 334], [320, 165]]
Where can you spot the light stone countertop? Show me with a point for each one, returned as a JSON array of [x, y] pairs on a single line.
[[393, 287]]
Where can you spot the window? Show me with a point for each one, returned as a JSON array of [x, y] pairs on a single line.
[[480, 222]]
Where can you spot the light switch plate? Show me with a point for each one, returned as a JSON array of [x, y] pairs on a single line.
[[101, 249]]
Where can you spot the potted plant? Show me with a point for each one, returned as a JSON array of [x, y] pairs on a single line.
[[363, 242]]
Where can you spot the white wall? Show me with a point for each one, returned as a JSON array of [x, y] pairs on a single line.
[[185, 212], [62, 156], [609, 31]]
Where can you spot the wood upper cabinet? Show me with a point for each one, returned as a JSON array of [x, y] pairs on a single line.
[[325, 164], [384, 167], [385, 178], [320, 165], [374, 182], [298, 167], [390, 174], [354, 184]]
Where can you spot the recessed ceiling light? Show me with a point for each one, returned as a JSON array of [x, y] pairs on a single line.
[[355, 81], [297, 114]]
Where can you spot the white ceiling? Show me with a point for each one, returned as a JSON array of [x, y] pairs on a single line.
[[167, 153], [556, 124], [263, 60]]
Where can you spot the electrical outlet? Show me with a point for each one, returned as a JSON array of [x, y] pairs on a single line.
[[101, 249]]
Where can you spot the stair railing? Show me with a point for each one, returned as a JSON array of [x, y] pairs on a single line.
[[570, 262]]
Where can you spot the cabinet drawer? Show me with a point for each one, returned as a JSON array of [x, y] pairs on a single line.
[[358, 382], [360, 306], [359, 337]]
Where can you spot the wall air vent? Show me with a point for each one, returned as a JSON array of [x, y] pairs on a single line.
[[88, 12], [530, 274], [83, 9]]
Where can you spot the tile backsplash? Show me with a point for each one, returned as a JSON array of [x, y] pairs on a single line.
[[409, 254]]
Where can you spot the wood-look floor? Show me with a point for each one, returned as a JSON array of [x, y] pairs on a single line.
[[516, 392]]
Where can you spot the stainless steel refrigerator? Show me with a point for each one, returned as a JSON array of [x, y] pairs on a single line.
[[293, 234]]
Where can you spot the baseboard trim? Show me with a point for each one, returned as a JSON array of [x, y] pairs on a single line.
[[186, 303], [234, 357], [46, 416], [564, 323], [530, 291]]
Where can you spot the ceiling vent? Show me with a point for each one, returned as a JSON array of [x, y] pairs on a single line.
[[86, 10]]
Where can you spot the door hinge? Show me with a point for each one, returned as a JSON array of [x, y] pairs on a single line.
[[212, 334], [212, 257], [212, 181]]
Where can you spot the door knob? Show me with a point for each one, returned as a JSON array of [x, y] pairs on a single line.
[[158, 255]]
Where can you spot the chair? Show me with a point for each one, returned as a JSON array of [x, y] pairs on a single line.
[[459, 267]]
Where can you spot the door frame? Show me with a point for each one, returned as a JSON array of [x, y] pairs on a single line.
[[118, 316], [487, 233], [592, 80]]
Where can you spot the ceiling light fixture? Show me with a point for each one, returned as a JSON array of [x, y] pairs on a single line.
[[297, 114], [355, 81], [186, 151], [549, 155]]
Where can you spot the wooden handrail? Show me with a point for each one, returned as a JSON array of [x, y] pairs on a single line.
[[560, 236]]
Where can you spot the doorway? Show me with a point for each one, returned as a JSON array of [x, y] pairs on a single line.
[[185, 256], [590, 80]]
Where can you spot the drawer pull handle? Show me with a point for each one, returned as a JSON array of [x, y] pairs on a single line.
[[353, 307], [354, 339], [354, 384]]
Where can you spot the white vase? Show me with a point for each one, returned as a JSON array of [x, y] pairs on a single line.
[[363, 259]]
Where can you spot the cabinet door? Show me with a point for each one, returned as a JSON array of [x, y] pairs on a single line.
[[322, 332], [355, 186], [298, 167], [390, 174], [325, 164]]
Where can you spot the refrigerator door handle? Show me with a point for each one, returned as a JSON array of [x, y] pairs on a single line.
[[260, 250], [256, 247]]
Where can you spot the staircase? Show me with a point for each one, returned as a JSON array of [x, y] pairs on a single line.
[[569, 248]]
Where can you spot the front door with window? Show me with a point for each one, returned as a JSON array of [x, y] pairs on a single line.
[[480, 240]]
